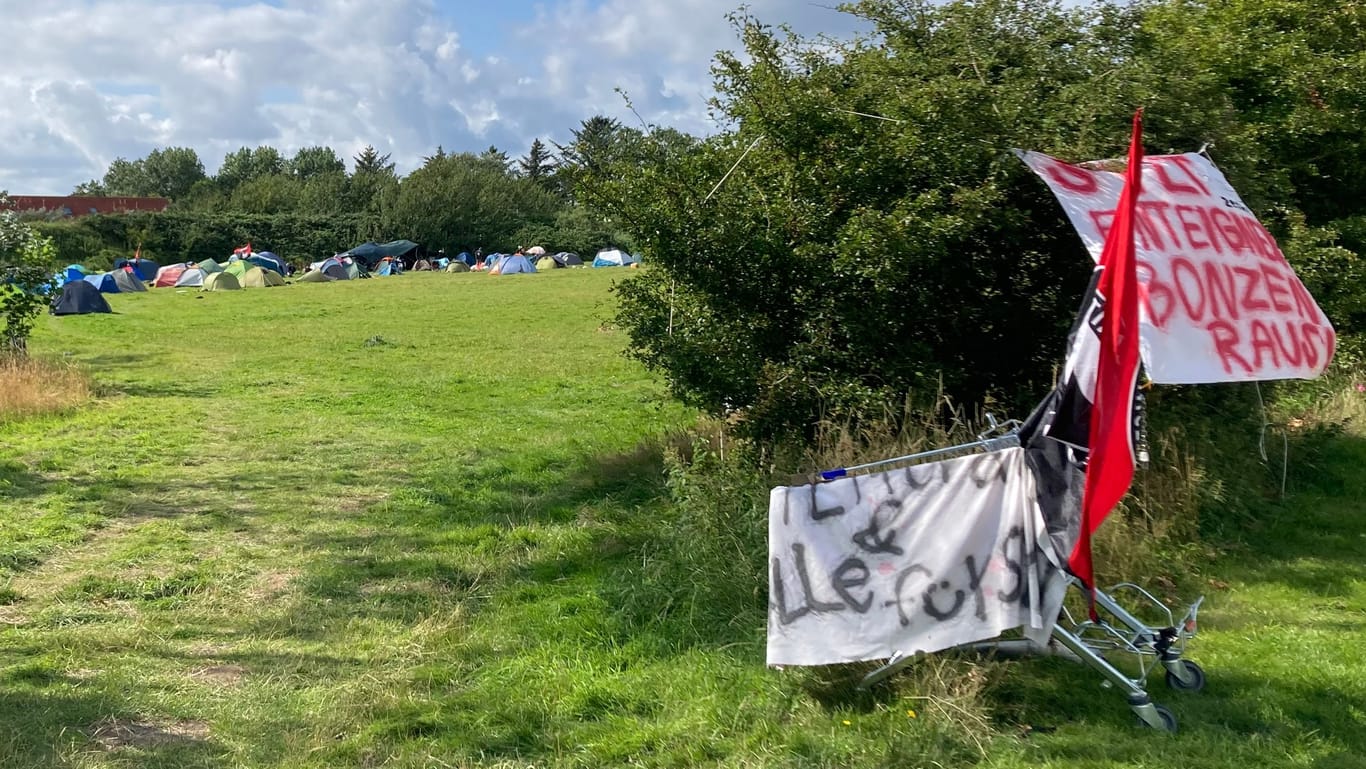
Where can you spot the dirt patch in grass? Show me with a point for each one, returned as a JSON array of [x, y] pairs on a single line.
[[220, 675], [115, 733], [271, 585], [10, 615]]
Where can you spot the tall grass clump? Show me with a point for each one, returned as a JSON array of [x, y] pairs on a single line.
[[32, 387], [1205, 487]]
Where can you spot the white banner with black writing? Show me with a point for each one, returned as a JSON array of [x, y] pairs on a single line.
[[917, 559]]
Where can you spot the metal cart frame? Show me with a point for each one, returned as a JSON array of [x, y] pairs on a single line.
[[1116, 630]]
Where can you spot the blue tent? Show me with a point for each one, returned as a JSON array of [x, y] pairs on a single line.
[[514, 264], [145, 269], [72, 272], [613, 257], [267, 261], [389, 267], [104, 282], [466, 258]]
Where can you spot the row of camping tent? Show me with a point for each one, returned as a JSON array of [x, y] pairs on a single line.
[[510, 264], [209, 275]]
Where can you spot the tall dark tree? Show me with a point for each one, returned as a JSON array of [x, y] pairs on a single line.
[[592, 144], [369, 161], [496, 159], [537, 164], [373, 185], [435, 157]]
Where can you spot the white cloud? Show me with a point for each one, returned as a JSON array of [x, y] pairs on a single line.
[[87, 81]]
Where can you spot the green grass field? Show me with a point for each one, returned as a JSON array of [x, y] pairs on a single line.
[[423, 522]]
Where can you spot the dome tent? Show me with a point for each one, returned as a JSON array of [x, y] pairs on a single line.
[[222, 281], [168, 275], [78, 298], [127, 281], [144, 269], [103, 282], [512, 265], [613, 257], [260, 277], [191, 278]]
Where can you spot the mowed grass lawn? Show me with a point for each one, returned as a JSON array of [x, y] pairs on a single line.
[[416, 522]]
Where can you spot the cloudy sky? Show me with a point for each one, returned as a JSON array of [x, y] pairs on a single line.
[[88, 81]]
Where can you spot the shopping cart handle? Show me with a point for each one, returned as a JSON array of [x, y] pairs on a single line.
[[830, 475]]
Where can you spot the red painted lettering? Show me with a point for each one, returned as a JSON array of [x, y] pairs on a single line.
[[1189, 217], [1292, 352], [1190, 185], [1310, 334], [1102, 221], [1251, 296], [1278, 288], [1156, 211], [1154, 295], [1207, 219], [1219, 284], [1271, 251], [1186, 279], [1263, 343], [1071, 178], [1225, 338], [1227, 225], [1187, 165], [1149, 238], [1256, 236], [1305, 305]]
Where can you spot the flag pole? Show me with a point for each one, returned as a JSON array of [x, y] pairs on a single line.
[[1110, 460]]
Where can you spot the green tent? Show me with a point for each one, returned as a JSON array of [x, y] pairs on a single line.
[[256, 277], [238, 268], [222, 281], [209, 266]]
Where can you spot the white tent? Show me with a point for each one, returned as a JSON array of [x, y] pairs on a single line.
[[613, 257]]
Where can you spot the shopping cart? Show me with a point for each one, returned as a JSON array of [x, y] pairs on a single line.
[[1097, 642]]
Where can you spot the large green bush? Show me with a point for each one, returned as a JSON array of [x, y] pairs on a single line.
[[25, 260], [863, 235]]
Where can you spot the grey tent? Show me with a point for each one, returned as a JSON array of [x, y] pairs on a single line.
[[127, 281]]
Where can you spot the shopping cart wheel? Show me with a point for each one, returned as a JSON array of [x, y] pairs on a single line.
[[1196, 674], [1168, 719]]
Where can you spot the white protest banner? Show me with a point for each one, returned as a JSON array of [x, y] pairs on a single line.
[[911, 560], [1218, 301]]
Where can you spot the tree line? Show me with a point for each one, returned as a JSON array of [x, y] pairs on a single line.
[[307, 206]]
